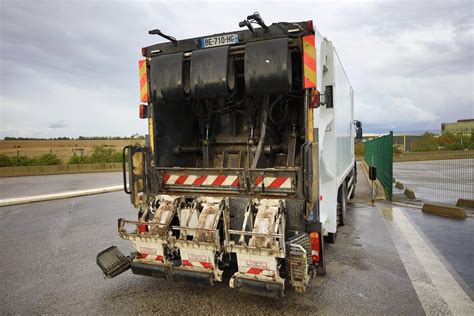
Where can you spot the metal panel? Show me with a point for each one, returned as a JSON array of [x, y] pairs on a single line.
[[199, 180], [379, 153], [335, 131], [267, 67], [228, 180], [169, 77], [273, 181], [343, 119], [212, 74], [309, 62]]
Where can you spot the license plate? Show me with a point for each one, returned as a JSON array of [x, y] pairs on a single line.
[[218, 40]]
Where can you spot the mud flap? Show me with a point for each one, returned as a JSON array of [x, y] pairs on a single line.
[[256, 287], [112, 262]]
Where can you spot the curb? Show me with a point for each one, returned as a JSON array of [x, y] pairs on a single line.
[[58, 196], [465, 203], [379, 191], [449, 211]]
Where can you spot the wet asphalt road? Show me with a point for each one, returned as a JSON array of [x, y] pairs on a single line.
[[48, 266], [453, 238], [37, 185], [436, 181]]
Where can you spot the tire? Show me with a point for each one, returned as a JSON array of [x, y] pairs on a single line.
[[354, 181], [321, 269], [330, 238], [353, 191], [342, 204]]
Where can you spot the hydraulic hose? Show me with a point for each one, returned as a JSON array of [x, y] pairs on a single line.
[[263, 129]]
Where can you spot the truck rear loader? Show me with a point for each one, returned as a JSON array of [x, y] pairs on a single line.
[[248, 163]]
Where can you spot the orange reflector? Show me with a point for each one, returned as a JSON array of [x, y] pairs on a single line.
[[143, 80], [315, 246]]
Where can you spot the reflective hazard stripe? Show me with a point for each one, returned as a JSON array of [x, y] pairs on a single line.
[[254, 271], [273, 182], [141, 255], [193, 180], [309, 61], [197, 264], [143, 81]]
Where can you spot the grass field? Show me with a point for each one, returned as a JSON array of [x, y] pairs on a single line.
[[64, 149]]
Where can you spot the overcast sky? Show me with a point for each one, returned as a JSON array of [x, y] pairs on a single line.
[[69, 68]]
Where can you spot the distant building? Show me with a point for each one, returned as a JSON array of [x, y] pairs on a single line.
[[461, 126], [405, 141]]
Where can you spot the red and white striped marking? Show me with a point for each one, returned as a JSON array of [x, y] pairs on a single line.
[[273, 182], [193, 180], [198, 264], [146, 256]]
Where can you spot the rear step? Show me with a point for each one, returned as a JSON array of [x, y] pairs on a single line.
[[112, 262]]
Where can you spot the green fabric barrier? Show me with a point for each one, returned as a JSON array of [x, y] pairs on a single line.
[[378, 153]]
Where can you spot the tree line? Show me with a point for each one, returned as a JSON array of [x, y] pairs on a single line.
[[134, 136]]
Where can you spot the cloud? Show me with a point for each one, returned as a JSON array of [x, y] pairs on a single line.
[[57, 124], [411, 64]]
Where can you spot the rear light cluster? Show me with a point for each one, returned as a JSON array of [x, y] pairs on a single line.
[[314, 99], [144, 51], [143, 111], [315, 246]]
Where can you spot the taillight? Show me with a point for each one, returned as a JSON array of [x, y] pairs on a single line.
[[314, 100], [309, 25], [143, 111], [144, 51], [315, 246]]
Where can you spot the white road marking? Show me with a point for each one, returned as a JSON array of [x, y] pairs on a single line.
[[433, 283], [57, 196]]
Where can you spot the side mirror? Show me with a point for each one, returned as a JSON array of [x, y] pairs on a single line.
[[358, 125]]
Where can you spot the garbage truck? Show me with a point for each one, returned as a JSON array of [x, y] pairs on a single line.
[[248, 164]]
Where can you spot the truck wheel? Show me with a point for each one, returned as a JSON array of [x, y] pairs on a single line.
[[321, 269], [354, 181], [353, 191], [342, 204], [330, 238]]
